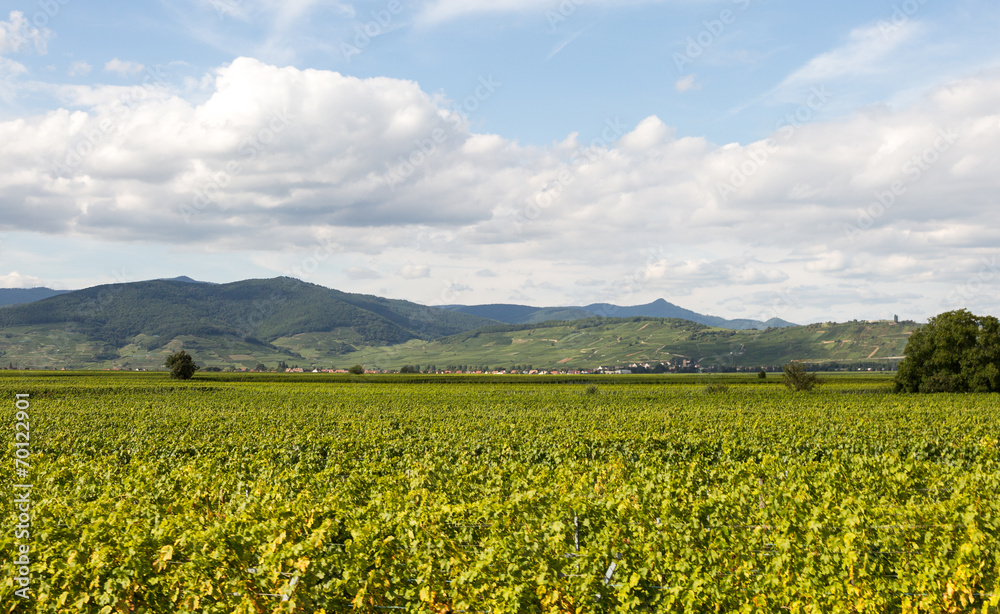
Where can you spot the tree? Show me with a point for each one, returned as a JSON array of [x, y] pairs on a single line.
[[762, 374], [356, 370], [409, 369], [181, 365], [797, 378], [955, 352]]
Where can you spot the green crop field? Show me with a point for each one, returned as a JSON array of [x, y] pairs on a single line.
[[314, 493]]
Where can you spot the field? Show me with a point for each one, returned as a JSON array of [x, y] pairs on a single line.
[[588, 344], [310, 493], [581, 344]]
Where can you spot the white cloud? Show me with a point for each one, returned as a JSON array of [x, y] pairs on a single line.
[[123, 68], [17, 33], [17, 280], [437, 11], [79, 68], [414, 271], [868, 51], [686, 84], [287, 160]]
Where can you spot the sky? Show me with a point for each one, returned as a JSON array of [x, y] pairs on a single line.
[[741, 158]]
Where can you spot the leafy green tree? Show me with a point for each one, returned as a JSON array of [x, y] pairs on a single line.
[[955, 352], [409, 369], [181, 365], [356, 370], [798, 379], [762, 374]]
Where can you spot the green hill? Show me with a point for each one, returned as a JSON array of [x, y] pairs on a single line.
[[108, 325], [619, 342], [523, 314], [241, 324]]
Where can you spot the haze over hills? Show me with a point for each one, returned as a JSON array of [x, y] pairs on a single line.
[[17, 296], [245, 323], [523, 314]]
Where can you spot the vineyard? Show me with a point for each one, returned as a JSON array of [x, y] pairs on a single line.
[[333, 494]]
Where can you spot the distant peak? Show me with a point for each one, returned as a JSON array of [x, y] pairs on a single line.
[[184, 279]]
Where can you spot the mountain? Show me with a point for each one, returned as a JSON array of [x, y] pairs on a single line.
[[144, 320], [241, 324], [620, 342], [186, 279], [17, 296], [662, 309], [523, 314]]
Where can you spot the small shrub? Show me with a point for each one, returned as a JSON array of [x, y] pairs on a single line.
[[591, 389], [797, 378], [716, 388], [356, 370]]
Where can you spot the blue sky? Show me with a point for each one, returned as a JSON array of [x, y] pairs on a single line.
[[745, 158]]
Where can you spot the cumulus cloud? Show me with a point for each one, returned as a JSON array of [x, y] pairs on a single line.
[[17, 33], [17, 280], [277, 158]]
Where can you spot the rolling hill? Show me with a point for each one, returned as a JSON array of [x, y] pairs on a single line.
[[142, 321], [523, 314], [241, 324], [619, 342]]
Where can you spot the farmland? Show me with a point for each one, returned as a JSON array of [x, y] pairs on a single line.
[[307, 493]]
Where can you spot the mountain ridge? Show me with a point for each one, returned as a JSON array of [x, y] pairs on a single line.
[[660, 308], [20, 296], [285, 320]]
